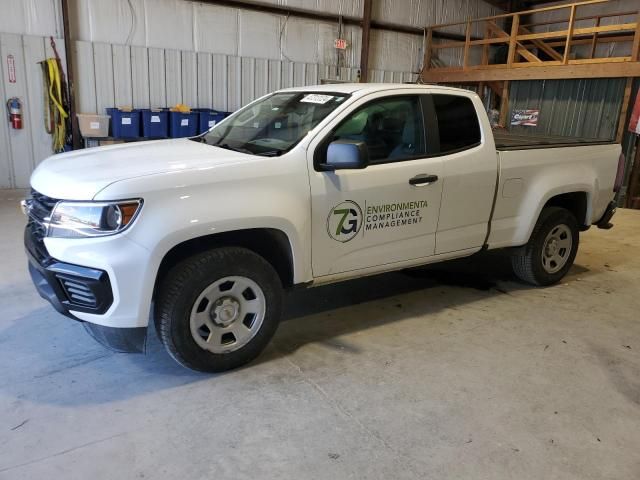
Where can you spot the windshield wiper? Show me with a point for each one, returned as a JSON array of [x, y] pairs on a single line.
[[271, 153], [235, 149]]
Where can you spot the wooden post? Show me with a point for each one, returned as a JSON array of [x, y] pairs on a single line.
[[428, 50], [513, 41], [485, 47], [594, 40], [635, 49], [622, 121], [504, 104], [567, 45], [364, 53], [76, 139], [465, 56]]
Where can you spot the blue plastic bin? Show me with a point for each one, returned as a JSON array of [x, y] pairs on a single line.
[[155, 124], [124, 124], [183, 124], [208, 118]]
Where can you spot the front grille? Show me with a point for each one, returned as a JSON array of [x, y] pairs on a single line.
[[41, 206], [77, 292], [39, 210]]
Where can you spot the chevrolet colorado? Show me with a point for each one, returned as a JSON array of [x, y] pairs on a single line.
[[304, 186]]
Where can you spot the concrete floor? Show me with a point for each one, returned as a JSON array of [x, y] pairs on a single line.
[[447, 374]]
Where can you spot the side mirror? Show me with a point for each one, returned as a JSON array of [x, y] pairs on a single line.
[[346, 154]]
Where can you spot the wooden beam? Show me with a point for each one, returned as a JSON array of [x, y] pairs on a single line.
[[534, 72], [513, 40], [527, 55], [438, 46], [526, 12], [504, 104], [76, 138], [495, 87], [364, 52], [540, 45], [618, 27], [567, 45], [484, 41], [496, 29], [622, 121], [549, 63], [601, 39], [635, 49], [428, 49], [485, 47], [465, 54], [579, 19], [593, 61], [623, 27], [594, 41]]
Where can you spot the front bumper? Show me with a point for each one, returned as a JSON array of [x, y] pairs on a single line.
[[74, 290], [71, 287]]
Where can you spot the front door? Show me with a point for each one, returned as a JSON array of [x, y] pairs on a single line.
[[388, 212]]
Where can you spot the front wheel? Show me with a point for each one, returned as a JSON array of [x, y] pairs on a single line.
[[551, 250], [218, 310]]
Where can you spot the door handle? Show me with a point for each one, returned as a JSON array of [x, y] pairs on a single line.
[[423, 180]]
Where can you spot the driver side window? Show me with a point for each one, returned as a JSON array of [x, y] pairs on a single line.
[[391, 127]]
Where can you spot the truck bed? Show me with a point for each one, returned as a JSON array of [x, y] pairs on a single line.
[[512, 141]]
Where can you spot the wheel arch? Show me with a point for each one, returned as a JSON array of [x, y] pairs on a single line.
[[576, 199], [576, 202], [270, 243]]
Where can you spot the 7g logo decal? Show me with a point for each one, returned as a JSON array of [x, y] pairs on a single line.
[[344, 221]]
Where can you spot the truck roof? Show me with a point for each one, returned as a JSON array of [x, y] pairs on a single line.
[[351, 88]]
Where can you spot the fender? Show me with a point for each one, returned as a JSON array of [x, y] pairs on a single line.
[[516, 216]]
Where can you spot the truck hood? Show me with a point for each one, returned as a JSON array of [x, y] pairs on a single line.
[[80, 175]]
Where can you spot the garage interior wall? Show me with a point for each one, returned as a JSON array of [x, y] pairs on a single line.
[[603, 49], [581, 108], [585, 108], [156, 53]]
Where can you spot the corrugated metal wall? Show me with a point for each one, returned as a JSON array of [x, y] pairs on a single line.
[[618, 49], [119, 75], [586, 108], [21, 150], [160, 52], [143, 77]]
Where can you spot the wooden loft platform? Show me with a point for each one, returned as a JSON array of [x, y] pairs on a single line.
[[530, 54]]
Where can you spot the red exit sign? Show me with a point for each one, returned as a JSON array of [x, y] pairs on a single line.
[[340, 44]]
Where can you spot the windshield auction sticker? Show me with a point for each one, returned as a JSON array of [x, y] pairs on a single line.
[[316, 98], [346, 219]]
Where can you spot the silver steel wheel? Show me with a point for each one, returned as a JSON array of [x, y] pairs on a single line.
[[556, 249], [227, 314]]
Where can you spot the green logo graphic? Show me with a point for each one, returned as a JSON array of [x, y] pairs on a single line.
[[344, 221]]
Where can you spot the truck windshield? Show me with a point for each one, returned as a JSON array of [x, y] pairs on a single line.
[[274, 125]]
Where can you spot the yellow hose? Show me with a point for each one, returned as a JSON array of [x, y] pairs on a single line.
[[55, 98]]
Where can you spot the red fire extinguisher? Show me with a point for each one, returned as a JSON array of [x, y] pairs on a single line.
[[14, 106]]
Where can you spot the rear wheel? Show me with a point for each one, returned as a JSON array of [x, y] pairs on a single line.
[[218, 310], [551, 250]]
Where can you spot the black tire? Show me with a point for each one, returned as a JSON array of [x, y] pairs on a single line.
[[182, 286], [527, 261]]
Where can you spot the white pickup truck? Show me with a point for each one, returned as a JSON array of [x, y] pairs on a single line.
[[302, 187]]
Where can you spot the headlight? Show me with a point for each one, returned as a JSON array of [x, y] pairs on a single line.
[[91, 219]]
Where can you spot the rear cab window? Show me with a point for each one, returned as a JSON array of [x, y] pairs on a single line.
[[457, 123]]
